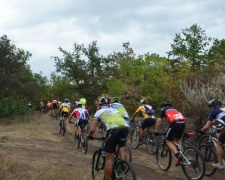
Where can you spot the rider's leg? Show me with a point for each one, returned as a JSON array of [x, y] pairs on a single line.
[[219, 151], [141, 134], [121, 152], [109, 165]]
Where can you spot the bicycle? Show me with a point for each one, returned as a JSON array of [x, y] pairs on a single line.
[[62, 125], [122, 169], [192, 161], [149, 139], [82, 137], [208, 149]]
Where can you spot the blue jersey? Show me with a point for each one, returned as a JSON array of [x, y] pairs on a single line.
[[218, 114]]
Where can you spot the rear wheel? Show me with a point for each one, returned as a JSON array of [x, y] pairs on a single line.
[[134, 138], [77, 142], [210, 157], [98, 164], [84, 144], [125, 170], [196, 169], [163, 156], [127, 153]]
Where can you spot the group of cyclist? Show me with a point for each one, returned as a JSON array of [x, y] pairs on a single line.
[[115, 118]]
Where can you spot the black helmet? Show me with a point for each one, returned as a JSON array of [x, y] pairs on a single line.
[[143, 101], [165, 103], [214, 102], [115, 99], [66, 101]]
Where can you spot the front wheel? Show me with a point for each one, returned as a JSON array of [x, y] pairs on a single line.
[[124, 170], [151, 144], [163, 156], [134, 139], [210, 157], [98, 164], [193, 164]]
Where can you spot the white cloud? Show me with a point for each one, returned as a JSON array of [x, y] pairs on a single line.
[[42, 26]]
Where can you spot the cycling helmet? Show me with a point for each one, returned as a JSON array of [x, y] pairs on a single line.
[[115, 99], [66, 101], [143, 101], [165, 103], [104, 100], [214, 102], [82, 101]]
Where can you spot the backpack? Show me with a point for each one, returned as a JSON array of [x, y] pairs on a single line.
[[172, 116], [149, 111]]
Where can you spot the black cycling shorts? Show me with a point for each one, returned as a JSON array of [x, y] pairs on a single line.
[[175, 131], [112, 138], [148, 122], [222, 136], [54, 106], [66, 114]]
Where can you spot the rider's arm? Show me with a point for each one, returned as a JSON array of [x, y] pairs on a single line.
[[158, 123], [93, 127], [207, 126], [134, 115]]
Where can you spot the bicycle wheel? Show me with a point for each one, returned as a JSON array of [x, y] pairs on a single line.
[[63, 128], [193, 164], [151, 144], [210, 157], [98, 164], [84, 144], [124, 170], [163, 156], [203, 140], [134, 139], [77, 142], [127, 153]]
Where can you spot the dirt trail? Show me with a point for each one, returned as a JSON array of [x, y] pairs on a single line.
[[49, 149]]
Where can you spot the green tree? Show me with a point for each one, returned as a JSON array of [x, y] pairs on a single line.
[[191, 45]]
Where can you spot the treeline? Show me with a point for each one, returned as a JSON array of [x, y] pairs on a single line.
[[190, 75]]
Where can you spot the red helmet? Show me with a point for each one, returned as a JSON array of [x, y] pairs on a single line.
[[104, 100]]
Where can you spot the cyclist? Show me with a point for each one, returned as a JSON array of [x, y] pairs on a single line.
[[149, 120], [117, 128], [64, 109], [82, 115], [54, 107], [216, 114], [42, 106], [176, 127], [117, 105]]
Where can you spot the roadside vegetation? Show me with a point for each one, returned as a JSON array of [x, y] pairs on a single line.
[[192, 74]]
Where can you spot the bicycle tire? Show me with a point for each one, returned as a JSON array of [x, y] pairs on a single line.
[[127, 153], [84, 144], [210, 157], [203, 140], [151, 144], [163, 156], [77, 142], [98, 166], [134, 139], [63, 128], [124, 170], [196, 170]]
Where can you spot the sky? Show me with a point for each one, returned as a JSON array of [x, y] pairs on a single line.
[[42, 26]]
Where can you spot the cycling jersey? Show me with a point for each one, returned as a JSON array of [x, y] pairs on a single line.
[[122, 110], [80, 113], [171, 115], [218, 114], [42, 104], [142, 110], [64, 107], [111, 118]]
